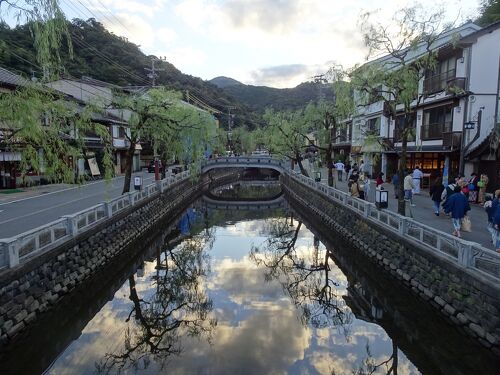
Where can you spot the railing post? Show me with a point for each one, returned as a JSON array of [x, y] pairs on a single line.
[[131, 197], [71, 224], [367, 209], [159, 186], [465, 254], [402, 225], [108, 208], [11, 251]]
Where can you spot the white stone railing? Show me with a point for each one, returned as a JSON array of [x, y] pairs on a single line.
[[17, 249], [469, 255], [245, 162]]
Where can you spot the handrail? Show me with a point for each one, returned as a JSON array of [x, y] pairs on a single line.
[[43, 238], [466, 254]]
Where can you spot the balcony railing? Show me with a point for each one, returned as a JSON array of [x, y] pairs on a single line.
[[453, 140], [456, 85], [435, 131], [398, 135], [438, 82]]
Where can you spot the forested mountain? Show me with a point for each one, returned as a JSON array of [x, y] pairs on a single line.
[[102, 55], [260, 97]]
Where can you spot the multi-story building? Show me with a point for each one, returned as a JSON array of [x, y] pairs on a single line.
[[454, 119]]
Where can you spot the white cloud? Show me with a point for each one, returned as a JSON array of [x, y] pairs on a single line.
[[139, 31], [185, 57], [166, 35]]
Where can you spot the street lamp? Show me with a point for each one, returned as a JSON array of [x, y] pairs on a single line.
[[381, 198]]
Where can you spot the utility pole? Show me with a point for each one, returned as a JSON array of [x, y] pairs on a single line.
[[229, 126], [152, 72]]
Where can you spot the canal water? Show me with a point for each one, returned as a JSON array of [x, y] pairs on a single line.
[[247, 291]]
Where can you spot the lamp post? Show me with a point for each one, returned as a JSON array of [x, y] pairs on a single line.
[[381, 198]]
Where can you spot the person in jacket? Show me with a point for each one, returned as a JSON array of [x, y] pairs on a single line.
[[408, 187], [493, 210], [380, 180], [473, 188], [435, 192], [482, 184], [355, 189], [457, 206], [395, 183]]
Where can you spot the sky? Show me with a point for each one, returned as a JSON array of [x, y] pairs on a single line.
[[277, 43]]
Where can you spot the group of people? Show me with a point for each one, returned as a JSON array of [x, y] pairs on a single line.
[[455, 201], [358, 182]]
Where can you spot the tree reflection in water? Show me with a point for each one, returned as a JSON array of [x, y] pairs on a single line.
[[178, 306], [304, 275]]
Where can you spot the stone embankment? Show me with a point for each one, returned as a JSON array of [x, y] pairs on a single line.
[[30, 289], [468, 301]]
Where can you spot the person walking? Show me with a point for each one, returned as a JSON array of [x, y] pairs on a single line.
[[490, 205], [395, 183], [339, 166], [380, 180], [408, 186], [482, 184], [417, 179], [472, 186], [436, 192], [355, 189], [457, 206], [496, 222], [364, 183]]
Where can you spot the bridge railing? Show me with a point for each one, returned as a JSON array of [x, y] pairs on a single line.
[[466, 254], [19, 248], [246, 161]]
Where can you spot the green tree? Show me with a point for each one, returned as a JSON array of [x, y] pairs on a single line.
[[47, 130], [490, 12], [286, 135], [395, 79], [177, 130]]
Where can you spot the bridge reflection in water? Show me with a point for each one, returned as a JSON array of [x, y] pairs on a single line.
[[220, 291]]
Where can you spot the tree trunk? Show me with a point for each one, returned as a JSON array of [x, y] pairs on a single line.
[[128, 168], [402, 168], [329, 164], [301, 167]]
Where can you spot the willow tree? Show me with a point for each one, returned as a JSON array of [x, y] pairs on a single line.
[[329, 117], [286, 135], [48, 26], [408, 49], [47, 130], [175, 128]]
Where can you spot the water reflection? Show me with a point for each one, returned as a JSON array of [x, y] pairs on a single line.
[[175, 304]]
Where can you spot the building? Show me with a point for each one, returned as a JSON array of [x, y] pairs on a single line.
[[460, 93]]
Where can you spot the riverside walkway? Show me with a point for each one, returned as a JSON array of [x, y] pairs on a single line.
[[423, 211]]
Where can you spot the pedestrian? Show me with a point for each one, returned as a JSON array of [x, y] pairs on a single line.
[[435, 192], [457, 206], [472, 186], [490, 205], [482, 184], [355, 189], [408, 186], [355, 167], [339, 166], [364, 183], [380, 180], [395, 183], [496, 222], [448, 192], [362, 167], [348, 169], [417, 179]]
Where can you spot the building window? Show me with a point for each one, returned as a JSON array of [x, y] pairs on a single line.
[[372, 126], [437, 80], [399, 124], [437, 121]]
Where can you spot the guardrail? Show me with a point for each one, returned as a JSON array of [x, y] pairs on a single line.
[[468, 255], [17, 249], [245, 162]]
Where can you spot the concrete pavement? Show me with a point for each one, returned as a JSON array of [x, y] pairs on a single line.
[[424, 211], [31, 208]]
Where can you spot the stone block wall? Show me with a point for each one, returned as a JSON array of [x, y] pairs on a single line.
[[35, 287], [468, 301]]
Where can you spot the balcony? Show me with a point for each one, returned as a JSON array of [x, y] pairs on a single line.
[[456, 86], [438, 82], [452, 140], [435, 131]]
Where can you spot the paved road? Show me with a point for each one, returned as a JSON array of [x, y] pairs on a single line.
[[33, 208], [424, 212]]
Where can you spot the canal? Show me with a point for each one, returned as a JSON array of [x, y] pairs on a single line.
[[244, 291]]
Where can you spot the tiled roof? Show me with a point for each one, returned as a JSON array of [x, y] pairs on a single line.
[[9, 78]]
